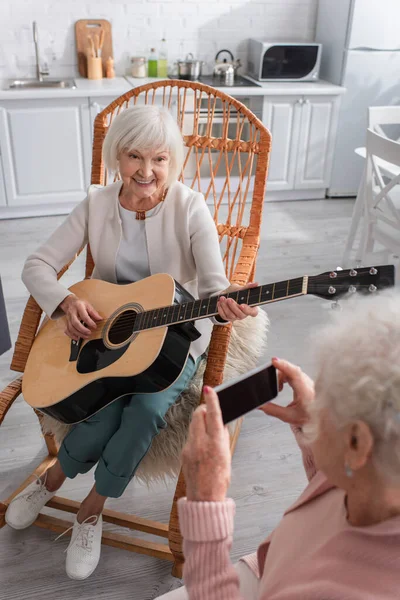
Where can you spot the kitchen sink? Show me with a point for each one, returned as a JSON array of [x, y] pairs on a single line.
[[24, 84]]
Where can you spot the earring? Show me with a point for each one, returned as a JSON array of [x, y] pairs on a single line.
[[348, 470]]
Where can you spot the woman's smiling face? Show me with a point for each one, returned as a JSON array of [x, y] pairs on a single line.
[[144, 172]]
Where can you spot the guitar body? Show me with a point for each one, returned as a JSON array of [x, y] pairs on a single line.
[[71, 382]]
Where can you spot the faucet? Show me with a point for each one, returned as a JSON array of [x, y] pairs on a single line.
[[39, 72]]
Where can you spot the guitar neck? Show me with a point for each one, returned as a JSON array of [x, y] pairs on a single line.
[[201, 309]]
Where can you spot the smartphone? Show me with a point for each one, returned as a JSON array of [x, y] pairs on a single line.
[[242, 394]]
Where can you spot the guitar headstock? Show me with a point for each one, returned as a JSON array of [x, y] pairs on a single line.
[[367, 280]]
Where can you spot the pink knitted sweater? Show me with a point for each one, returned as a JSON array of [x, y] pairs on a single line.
[[313, 554]]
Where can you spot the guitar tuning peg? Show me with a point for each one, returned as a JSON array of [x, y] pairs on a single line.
[[336, 306]]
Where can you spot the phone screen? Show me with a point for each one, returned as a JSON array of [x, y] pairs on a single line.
[[239, 396]]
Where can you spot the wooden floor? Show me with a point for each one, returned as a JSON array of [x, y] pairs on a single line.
[[298, 238]]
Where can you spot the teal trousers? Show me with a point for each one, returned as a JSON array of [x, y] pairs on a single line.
[[118, 437]]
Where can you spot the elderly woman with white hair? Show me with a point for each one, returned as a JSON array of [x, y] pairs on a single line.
[[341, 538], [143, 224]]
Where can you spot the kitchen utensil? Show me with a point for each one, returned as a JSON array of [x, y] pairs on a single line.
[[96, 45], [226, 71], [189, 69], [92, 27], [101, 42], [90, 50]]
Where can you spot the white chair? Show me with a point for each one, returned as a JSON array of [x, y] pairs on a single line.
[[383, 115], [378, 116], [381, 195]]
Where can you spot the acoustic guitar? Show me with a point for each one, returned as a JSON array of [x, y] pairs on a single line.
[[142, 344]]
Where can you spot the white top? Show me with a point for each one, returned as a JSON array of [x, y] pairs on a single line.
[[132, 261]]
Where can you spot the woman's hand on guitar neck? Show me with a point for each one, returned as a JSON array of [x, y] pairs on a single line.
[[81, 317], [229, 310]]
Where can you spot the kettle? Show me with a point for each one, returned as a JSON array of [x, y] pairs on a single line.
[[226, 71]]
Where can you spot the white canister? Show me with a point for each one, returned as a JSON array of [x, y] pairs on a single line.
[[138, 66]]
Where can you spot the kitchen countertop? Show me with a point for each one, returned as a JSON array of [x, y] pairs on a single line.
[[120, 85], [269, 88]]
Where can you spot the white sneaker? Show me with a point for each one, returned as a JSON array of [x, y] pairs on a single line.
[[83, 552], [26, 506]]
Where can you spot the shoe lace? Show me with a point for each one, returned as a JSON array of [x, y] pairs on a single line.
[[84, 534], [36, 492]]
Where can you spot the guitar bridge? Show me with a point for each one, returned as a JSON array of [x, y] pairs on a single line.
[[75, 349]]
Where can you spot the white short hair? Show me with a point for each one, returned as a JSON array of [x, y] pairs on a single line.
[[358, 359], [146, 127]]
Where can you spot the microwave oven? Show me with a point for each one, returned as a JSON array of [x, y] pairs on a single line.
[[283, 61]]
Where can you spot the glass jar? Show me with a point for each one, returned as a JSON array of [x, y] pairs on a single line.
[[138, 68]]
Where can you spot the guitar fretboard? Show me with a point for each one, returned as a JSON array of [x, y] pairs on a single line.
[[200, 309]]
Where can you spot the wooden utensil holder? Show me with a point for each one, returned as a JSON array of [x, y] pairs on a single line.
[[94, 67]]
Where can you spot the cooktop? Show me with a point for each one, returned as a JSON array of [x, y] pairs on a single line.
[[216, 82]]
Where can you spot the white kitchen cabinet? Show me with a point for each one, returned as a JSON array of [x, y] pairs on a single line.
[[46, 149], [303, 132], [282, 116], [96, 105], [315, 143]]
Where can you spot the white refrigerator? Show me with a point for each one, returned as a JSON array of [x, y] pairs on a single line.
[[361, 51]]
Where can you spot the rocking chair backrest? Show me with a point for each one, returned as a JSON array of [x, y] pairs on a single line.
[[226, 159]]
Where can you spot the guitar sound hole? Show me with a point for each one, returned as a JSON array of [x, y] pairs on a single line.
[[122, 328]]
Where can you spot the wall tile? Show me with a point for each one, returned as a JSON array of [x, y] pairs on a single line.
[[201, 27]]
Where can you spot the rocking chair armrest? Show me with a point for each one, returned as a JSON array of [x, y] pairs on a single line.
[[217, 352], [245, 264], [8, 395]]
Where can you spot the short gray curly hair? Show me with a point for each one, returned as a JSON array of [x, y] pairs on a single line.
[[358, 357], [145, 127]]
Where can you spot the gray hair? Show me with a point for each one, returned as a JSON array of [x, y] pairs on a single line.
[[358, 356], [146, 127]]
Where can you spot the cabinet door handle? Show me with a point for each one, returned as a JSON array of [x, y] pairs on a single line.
[[306, 101], [300, 101], [95, 105]]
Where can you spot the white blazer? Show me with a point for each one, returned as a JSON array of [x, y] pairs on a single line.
[[181, 240]]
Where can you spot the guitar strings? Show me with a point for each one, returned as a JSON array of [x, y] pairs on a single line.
[[312, 278], [126, 319], [127, 322]]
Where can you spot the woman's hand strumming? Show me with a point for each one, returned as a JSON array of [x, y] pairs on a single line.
[[81, 317]]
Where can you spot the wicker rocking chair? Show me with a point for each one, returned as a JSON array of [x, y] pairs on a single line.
[[230, 169]]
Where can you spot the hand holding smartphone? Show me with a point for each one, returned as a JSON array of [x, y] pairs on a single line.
[[242, 394]]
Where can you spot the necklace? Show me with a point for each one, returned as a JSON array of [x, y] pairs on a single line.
[[141, 214]]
